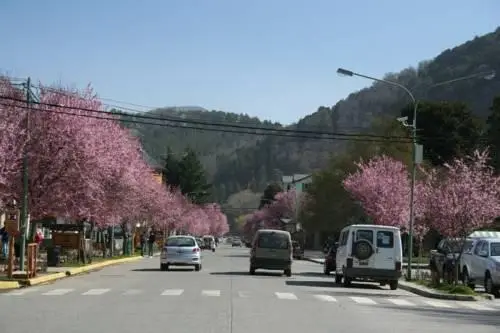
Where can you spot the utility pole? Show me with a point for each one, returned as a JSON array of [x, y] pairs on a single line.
[[24, 204]]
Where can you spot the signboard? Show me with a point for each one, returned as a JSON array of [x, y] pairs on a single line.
[[12, 221]]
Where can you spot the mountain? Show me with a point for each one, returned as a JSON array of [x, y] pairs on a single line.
[[236, 162]]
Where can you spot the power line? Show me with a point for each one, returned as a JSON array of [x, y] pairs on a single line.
[[111, 117], [207, 123]]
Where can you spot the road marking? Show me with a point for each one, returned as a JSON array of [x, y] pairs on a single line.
[[438, 304], [172, 292], [243, 294], [211, 293], [57, 292], [475, 306], [22, 291], [325, 298], [95, 292], [289, 296], [363, 300], [132, 292], [400, 302]]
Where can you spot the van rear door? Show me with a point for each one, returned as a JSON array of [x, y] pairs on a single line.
[[385, 249], [273, 245]]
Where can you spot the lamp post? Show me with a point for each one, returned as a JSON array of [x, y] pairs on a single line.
[[415, 147]]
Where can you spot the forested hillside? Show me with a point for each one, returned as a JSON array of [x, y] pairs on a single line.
[[244, 161]]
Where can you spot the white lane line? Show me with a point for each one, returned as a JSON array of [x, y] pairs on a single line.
[[95, 292], [289, 296], [401, 302], [475, 306], [363, 300], [57, 292], [21, 291], [325, 298], [132, 292], [438, 304], [211, 293], [172, 292]]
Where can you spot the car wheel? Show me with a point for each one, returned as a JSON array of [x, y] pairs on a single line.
[[197, 268], [163, 267], [252, 271], [288, 272], [393, 285], [338, 278], [466, 279], [325, 270], [347, 281]]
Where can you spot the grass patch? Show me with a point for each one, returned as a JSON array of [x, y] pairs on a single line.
[[417, 260], [445, 288]]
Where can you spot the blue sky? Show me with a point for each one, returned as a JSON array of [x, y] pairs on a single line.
[[274, 59]]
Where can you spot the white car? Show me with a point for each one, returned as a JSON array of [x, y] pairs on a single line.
[[180, 251]]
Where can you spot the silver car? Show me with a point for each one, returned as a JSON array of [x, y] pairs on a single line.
[[180, 251]]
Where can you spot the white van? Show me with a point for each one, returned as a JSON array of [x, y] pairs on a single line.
[[369, 253]]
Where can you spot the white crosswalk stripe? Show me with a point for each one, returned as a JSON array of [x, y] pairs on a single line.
[[57, 292], [438, 304], [289, 296], [211, 293], [401, 302], [172, 292], [95, 292], [325, 298], [363, 300]]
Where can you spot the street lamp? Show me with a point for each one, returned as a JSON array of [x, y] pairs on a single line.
[[488, 75]]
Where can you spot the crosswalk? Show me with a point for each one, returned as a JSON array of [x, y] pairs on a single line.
[[284, 296]]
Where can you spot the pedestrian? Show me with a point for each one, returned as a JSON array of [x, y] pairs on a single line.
[[4, 238], [143, 240], [151, 242]]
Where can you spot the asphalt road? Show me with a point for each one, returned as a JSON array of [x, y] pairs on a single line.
[[223, 298]]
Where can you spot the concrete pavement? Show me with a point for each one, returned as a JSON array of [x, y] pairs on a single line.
[[137, 297]]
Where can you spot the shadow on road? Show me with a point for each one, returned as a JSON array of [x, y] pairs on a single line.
[[245, 273], [237, 255], [459, 316], [331, 284], [313, 274], [158, 270]]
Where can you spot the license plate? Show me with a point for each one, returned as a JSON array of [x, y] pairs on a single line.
[[363, 262]]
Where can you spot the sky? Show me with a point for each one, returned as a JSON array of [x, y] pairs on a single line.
[[273, 59]]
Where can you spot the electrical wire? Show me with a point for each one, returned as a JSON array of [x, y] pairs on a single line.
[[112, 117]]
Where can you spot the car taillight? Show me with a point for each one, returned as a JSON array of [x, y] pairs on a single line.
[[196, 249], [398, 265]]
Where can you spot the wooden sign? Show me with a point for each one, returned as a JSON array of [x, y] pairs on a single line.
[[12, 221]]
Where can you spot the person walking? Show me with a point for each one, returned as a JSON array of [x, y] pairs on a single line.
[[143, 240], [4, 239], [151, 241]]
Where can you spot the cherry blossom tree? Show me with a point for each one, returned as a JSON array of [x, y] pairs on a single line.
[[464, 197], [12, 137]]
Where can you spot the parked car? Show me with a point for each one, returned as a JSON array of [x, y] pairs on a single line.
[[180, 251], [369, 253], [330, 260], [481, 265], [298, 251], [271, 249]]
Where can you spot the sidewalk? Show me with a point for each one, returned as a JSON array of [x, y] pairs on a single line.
[[56, 273]]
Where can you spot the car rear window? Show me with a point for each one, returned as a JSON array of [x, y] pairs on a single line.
[[273, 241], [181, 242], [385, 239], [365, 235]]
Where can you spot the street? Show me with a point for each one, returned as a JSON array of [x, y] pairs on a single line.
[[138, 297]]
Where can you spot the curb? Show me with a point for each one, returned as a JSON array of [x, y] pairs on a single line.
[[317, 261], [7, 285], [432, 294], [313, 260], [76, 271]]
